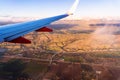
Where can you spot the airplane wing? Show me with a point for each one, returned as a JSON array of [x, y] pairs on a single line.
[[14, 32]]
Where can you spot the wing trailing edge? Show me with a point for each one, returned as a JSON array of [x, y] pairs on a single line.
[[21, 40], [44, 29]]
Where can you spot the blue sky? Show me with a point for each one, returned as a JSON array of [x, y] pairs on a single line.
[[45, 8]]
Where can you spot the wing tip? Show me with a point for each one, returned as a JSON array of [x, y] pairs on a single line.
[[73, 8]]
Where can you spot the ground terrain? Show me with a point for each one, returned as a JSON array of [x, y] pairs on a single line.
[[76, 50]]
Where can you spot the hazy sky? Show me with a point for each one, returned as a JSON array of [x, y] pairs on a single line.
[[44, 8]]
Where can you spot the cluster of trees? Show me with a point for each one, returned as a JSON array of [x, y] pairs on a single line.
[[13, 70]]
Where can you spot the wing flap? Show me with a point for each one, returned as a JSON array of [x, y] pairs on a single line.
[[44, 29], [21, 40]]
